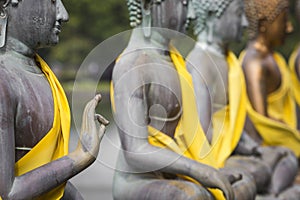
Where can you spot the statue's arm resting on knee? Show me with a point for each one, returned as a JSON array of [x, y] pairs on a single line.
[[140, 155]]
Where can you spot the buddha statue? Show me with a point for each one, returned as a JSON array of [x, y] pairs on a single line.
[[221, 96], [294, 65], [270, 106], [164, 152], [35, 117]]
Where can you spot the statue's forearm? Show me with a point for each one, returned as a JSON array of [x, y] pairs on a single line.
[[246, 145], [151, 158], [46, 177], [51, 175]]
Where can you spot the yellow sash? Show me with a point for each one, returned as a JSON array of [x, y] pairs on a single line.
[[55, 144], [294, 77], [228, 123], [281, 106]]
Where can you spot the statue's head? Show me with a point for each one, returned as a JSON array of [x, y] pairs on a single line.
[[224, 19], [35, 23], [268, 17], [171, 14]]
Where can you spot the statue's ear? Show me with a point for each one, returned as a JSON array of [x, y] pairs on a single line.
[[146, 20], [3, 24]]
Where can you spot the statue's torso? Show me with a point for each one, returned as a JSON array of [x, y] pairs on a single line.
[[160, 87], [272, 74], [212, 69], [265, 67], [33, 109]]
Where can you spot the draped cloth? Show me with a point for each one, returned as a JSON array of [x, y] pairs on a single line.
[[189, 139], [55, 143], [228, 122], [294, 77], [280, 106]]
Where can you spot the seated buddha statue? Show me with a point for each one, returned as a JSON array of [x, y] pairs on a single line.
[[221, 96], [164, 151]]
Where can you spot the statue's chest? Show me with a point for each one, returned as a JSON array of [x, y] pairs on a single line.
[[34, 112], [219, 92], [273, 75], [164, 95]]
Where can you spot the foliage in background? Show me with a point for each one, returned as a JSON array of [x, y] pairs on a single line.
[[93, 21], [90, 23]]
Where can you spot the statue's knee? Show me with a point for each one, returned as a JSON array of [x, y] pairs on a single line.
[[193, 191], [256, 167], [292, 193], [284, 174]]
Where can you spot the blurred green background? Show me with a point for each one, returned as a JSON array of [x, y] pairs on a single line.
[[93, 21], [90, 23]]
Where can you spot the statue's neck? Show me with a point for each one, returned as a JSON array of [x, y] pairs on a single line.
[[159, 40], [20, 55], [261, 44], [156, 40], [17, 46], [212, 43]]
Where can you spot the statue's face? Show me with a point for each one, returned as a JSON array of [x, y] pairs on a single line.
[[37, 23], [231, 24], [277, 30], [173, 14]]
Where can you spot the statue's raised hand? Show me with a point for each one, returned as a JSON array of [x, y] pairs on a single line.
[[91, 134]]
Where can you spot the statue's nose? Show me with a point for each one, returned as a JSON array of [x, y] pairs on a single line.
[[191, 12], [61, 12]]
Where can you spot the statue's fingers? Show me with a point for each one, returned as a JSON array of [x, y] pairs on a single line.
[[232, 178], [256, 152], [101, 119], [228, 191], [231, 175], [103, 123], [101, 131], [220, 181], [92, 104], [89, 111], [283, 151], [226, 188]]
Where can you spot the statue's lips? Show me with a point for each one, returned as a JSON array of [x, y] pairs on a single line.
[[57, 29]]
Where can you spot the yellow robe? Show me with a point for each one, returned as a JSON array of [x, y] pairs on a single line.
[[228, 123], [294, 77], [55, 144], [281, 106]]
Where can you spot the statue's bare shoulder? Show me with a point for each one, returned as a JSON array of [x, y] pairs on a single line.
[[7, 82]]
